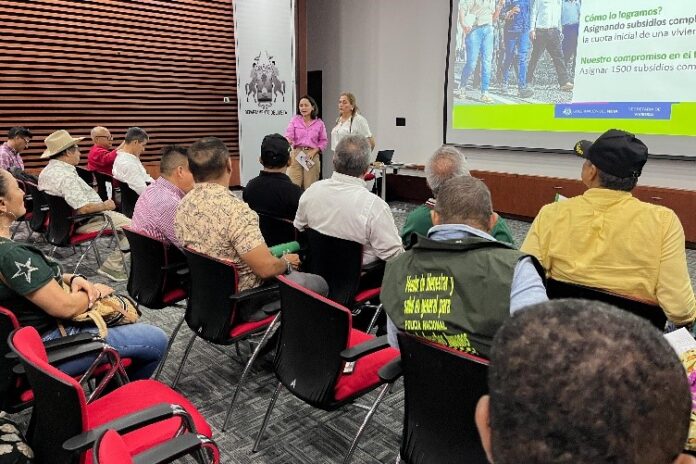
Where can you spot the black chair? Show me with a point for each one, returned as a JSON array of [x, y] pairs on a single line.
[[62, 225], [556, 289], [101, 180], [439, 428], [276, 230], [155, 279], [316, 341], [129, 198], [339, 262], [39, 212], [86, 175], [213, 308]]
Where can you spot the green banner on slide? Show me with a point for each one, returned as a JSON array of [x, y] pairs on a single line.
[[541, 117]]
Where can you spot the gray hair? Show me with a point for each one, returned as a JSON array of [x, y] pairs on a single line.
[[464, 200], [624, 184], [352, 156], [445, 163]]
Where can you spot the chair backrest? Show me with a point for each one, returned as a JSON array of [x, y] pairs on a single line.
[[87, 176], [111, 449], [101, 179], [338, 261], [59, 402], [556, 289], [276, 230], [313, 332], [210, 313], [39, 211], [8, 323], [441, 389], [129, 198], [60, 227], [148, 279]]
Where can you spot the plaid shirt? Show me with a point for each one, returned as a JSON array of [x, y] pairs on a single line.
[[9, 158], [155, 210]]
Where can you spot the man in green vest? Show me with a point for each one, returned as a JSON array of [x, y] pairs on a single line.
[[458, 285], [445, 163]]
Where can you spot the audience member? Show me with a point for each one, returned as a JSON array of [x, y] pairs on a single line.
[[458, 286], [445, 163], [272, 192], [608, 239], [155, 209], [574, 381], [127, 167], [101, 157], [306, 133], [60, 178], [212, 220], [18, 139], [342, 207], [37, 291]]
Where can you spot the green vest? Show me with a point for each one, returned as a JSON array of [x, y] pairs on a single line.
[[454, 292]]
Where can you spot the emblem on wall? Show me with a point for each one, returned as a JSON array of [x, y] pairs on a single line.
[[264, 86]]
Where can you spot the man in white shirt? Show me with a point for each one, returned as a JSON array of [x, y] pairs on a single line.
[[546, 29], [342, 207], [127, 167]]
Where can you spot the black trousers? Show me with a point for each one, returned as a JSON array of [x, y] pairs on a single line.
[[548, 39]]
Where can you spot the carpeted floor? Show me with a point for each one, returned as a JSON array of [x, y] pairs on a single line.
[[297, 433]]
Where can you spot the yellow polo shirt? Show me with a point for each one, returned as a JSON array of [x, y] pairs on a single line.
[[610, 240]]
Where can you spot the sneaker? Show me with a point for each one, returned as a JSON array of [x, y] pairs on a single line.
[[525, 93], [485, 98], [113, 274], [567, 86]]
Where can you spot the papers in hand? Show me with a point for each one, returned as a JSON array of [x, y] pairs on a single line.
[[681, 341], [304, 160]]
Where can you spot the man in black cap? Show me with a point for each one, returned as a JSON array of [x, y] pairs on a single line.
[[608, 239], [272, 192]]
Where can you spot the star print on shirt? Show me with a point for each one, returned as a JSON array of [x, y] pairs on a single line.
[[25, 270]]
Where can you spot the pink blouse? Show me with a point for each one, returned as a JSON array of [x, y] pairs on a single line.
[[301, 135]]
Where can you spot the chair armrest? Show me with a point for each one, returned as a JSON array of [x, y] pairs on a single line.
[[77, 217], [122, 425], [391, 371], [172, 450], [61, 354], [373, 266], [176, 267], [255, 292], [258, 297], [71, 340], [363, 349]]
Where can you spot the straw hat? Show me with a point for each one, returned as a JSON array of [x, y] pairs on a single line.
[[57, 142]]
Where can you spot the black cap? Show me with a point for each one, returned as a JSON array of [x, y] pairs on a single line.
[[275, 150], [615, 152]]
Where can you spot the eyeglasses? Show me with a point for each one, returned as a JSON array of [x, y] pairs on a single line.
[[107, 137], [26, 140]]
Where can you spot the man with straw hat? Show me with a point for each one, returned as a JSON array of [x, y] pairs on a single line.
[[60, 178]]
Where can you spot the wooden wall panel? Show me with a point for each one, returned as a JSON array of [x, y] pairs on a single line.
[[166, 66]]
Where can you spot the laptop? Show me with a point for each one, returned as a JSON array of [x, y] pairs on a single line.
[[385, 156]]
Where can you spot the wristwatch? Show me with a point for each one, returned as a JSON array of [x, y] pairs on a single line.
[[288, 268]]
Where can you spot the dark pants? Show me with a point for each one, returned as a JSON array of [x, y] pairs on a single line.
[[570, 43], [548, 39]]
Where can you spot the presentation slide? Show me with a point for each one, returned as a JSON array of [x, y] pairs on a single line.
[[541, 74]]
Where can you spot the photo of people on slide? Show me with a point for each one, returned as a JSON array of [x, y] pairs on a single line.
[[515, 51]]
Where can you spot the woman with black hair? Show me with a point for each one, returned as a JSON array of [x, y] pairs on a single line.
[[306, 133]]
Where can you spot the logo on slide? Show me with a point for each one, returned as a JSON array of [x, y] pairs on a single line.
[[265, 85]]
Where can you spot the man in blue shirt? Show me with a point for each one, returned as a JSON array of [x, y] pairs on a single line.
[[517, 15], [545, 33]]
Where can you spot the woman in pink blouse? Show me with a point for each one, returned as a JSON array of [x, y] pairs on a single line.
[[307, 136]]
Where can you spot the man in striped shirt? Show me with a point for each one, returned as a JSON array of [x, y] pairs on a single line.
[[156, 208]]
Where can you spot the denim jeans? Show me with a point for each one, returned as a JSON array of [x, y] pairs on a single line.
[[144, 344], [478, 42], [519, 40]]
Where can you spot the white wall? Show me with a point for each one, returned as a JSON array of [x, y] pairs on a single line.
[[391, 54]]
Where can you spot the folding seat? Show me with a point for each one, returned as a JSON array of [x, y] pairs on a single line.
[[65, 424], [315, 350]]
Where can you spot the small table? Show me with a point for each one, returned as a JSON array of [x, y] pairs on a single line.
[[384, 167]]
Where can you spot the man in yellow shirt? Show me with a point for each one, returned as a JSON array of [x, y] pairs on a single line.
[[608, 239]]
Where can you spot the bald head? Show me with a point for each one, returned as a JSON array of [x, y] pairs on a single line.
[[447, 162], [101, 136]]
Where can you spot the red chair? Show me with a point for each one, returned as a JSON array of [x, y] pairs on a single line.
[[111, 449], [213, 308], [316, 341], [62, 227], [154, 280], [65, 424]]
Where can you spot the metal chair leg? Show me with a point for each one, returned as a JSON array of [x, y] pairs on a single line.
[[369, 415], [169, 346], [265, 418], [374, 318], [269, 332], [183, 360]]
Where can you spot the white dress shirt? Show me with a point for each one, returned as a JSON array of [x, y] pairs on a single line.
[[343, 207], [546, 14], [128, 168]]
